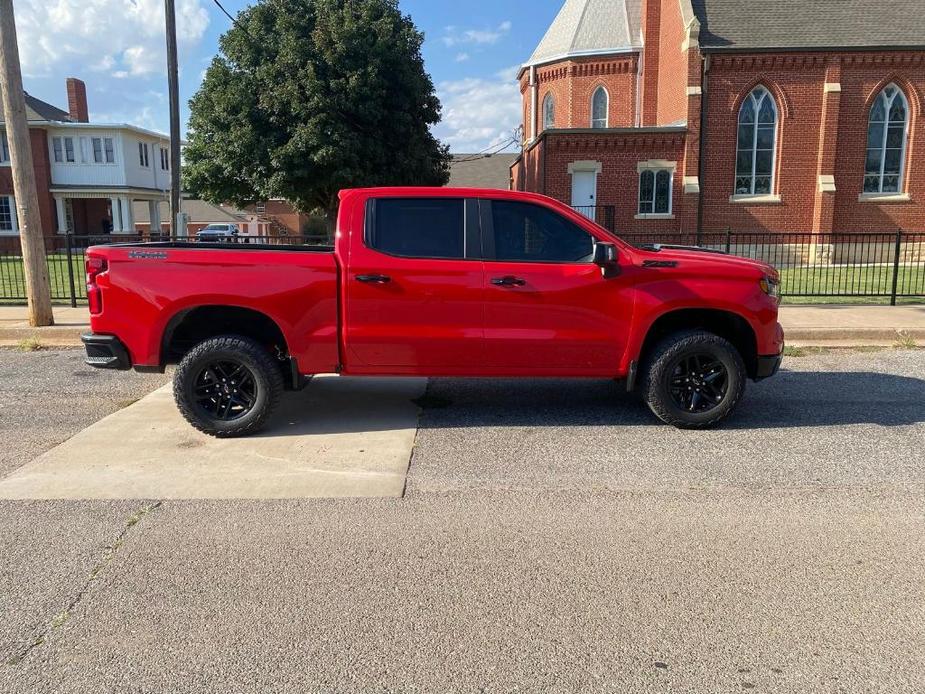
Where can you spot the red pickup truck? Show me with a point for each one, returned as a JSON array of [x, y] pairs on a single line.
[[436, 282]]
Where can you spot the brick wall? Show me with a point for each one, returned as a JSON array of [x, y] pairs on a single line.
[[572, 84], [672, 66], [42, 166], [618, 181], [797, 83]]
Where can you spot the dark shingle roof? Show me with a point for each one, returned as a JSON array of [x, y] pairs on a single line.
[[485, 172], [738, 24], [36, 109], [46, 110]]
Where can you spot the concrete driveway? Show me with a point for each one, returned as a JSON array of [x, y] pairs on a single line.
[[339, 437], [552, 538]]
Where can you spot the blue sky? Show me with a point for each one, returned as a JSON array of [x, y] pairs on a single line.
[[472, 50]]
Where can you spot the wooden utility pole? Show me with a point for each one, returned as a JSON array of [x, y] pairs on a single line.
[[173, 87], [38, 290]]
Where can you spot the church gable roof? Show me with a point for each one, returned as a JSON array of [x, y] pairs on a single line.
[[590, 27], [810, 24]]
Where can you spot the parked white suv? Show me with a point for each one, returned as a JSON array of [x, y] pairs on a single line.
[[218, 232]]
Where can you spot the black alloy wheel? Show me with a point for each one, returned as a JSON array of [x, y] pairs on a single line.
[[228, 385], [699, 383], [225, 390], [693, 379]]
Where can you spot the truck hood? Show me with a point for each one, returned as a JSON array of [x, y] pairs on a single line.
[[717, 259]]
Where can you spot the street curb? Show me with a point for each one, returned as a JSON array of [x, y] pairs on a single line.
[[56, 336], [861, 335]]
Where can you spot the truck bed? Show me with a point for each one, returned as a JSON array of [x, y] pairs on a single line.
[[149, 287]]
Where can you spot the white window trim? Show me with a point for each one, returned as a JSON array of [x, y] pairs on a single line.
[[5, 162], [884, 197], [757, 197], [901, 184], [656, 165], [75, 146], [102, 139], [15, 218], [763, 199], [601, 88]]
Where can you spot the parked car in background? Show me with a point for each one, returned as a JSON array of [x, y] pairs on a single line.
[[437, 282], [217, 233]]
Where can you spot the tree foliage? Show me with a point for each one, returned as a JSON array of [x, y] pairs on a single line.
[[307, 97]]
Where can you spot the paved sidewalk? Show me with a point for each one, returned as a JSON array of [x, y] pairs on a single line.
[[842, 325], [69, 324], [835, 325]]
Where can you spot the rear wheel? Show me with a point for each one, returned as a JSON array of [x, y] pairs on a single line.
[[227, 386], [694, 379]]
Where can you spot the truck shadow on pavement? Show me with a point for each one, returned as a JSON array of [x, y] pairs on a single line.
[[790, 399]]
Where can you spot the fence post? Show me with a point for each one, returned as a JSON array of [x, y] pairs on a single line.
[[896, 255], [70, 267], [728, 240]]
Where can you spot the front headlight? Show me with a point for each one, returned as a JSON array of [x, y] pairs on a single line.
[[770, 286]]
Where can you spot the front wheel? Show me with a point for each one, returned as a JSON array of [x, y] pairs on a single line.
[[227, 386], [694, 379]]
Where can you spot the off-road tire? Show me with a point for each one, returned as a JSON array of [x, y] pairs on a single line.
[[659, 370], [267, 378]]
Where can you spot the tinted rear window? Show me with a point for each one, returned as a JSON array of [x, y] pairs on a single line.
[[419, 227]]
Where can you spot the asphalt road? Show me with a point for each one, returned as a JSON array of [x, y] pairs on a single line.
[[552, 538]]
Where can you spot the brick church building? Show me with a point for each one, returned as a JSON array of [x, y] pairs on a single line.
[[670, 116]]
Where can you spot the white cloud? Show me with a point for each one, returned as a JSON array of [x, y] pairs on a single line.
[[454, 36], [479, 113], [462, 57], [125, 37]]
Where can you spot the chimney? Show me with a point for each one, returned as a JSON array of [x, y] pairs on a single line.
[[77, 100]]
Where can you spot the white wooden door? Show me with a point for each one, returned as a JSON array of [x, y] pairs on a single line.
[[584, 192]]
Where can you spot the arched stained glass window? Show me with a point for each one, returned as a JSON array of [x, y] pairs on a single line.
[[886, 141], [549, 112], [756, 144], [599, 107]]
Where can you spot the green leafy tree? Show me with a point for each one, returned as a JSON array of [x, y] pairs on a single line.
[[307, 97]]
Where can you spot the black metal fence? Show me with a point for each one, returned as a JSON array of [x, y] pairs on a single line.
[[813, 267]]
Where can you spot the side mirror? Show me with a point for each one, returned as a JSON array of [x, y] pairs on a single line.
[[605, 257]]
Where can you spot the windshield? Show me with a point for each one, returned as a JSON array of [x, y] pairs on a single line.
[[216, 227]]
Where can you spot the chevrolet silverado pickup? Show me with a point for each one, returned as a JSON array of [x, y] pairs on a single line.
[[436, 282]]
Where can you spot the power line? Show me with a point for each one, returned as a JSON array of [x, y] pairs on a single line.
[[484, 154]]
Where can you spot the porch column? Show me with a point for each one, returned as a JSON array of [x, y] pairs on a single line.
[[128, 216], [61, 211], [116, 215], [154, 214]]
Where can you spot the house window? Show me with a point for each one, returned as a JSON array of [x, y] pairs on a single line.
[[549, 112], [63, 149], [97, 150], [143, 154], [108, 150], [8, 214], [165, 159], [886, 141], [757, 140], [260, 208], [4, 149], [599, 108], [655, 190]]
